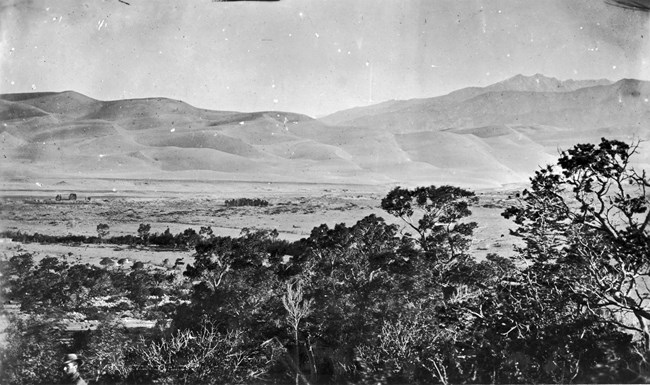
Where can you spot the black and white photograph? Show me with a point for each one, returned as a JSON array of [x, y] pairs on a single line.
[[321, 192]]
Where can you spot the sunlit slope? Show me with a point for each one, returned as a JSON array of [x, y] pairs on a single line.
[[71, 135]]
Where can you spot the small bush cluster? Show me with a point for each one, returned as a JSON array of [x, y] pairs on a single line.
[[246, 202]]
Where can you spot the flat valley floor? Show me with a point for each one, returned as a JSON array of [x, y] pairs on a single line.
[[293, 210]]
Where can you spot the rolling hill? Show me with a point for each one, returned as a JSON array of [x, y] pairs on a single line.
[[487, 136]]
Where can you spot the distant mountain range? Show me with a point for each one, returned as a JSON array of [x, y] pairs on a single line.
[[487, 136]]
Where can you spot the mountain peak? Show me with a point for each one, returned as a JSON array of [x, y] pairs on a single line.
[[536, 76], [537, 82], [633, 88], [541, 83]]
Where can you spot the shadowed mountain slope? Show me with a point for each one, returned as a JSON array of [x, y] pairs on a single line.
[[472, 137], [535, 83], [623, 103]]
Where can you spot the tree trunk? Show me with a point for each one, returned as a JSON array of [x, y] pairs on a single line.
[[297, 358], [312, 359]]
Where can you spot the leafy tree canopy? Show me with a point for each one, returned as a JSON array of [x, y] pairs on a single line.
[[586, 220]]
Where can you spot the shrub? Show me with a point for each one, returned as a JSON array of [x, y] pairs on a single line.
[[202, 357], [106, 261], [246, 202], [32, 352], [102, 231], [106, 352]]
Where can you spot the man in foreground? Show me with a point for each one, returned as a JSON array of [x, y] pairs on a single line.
[[71, 364]]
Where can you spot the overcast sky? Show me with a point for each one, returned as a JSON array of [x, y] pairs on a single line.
[[309, 56]]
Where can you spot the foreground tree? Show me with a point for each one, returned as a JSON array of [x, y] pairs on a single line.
[[531, 328], [587, 221], [436, 215], [297, 309]]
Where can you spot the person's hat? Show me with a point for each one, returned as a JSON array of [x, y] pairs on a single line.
[[72, 358]]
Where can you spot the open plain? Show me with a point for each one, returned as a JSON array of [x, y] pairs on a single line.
[[294, 210]]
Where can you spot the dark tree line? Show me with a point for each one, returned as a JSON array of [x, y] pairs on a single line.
[[185, 240]]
